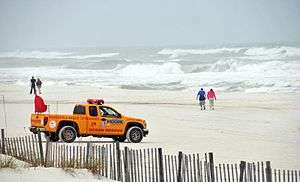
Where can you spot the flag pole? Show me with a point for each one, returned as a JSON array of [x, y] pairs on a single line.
[[4, 111]]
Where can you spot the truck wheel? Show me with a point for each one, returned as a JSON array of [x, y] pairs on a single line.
[[67, 134], [119, 139], [134, 134], [52, 137]]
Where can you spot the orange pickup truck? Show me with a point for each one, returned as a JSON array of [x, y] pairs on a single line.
[[90, 120]]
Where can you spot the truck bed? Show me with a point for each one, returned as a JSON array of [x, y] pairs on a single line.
[[40, 120]]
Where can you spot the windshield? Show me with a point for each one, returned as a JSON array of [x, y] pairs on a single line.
[[107, 111]]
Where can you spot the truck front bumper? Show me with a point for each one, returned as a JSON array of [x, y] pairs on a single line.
[[36, 129], [145, 132]]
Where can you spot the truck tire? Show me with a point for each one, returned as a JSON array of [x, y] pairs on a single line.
[[120, 139], [134, 134], [67, 134]]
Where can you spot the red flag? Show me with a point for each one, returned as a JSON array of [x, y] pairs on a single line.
[[39, 104]]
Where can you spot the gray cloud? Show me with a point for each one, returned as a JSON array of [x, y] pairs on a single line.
[[44, 24]]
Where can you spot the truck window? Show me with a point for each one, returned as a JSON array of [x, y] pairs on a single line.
[[109, 112], [79, 109], [93, 111]]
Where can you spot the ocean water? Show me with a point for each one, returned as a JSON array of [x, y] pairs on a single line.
[[262, 68]]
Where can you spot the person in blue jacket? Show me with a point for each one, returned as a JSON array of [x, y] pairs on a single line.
[[201, 97]]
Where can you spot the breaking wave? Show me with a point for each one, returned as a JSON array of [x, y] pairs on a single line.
[[174, 53], [224, 65], [263, 51], [155, 86], [52, 55], [248, 69], [273, 67], [260, 53], [149, 70]]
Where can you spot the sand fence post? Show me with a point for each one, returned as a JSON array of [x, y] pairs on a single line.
[[118, 161], [88, 145], [207, 168], [126, 172], [160, 165], [211, 165], [268, 172], [41, 148], [179, 178], [2, 141], [47, 153], [242, 170]]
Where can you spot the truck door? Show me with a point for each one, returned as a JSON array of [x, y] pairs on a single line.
[[111, 121], [94, 122]]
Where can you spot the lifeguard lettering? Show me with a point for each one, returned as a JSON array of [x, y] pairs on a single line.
[[68, 117], [105, 130], [115, 121], [96, 129], [113, 130]]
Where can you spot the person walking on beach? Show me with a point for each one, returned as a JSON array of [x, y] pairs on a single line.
[[39, 85], [32, 85], [201, 97], [211, 96]]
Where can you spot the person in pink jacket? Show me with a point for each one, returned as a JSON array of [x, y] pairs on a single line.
[[211, 96]]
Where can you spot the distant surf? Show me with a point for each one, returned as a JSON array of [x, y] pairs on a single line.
[[52, 55], [245, 69]]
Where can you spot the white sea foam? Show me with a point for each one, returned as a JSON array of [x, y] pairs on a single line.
[[104, 55], [52, 55], [34, 54], [150, 70], [260, 53], [183, 52], [275, 68], [225, 69], [224, 65], [163, 61], [264, 53]]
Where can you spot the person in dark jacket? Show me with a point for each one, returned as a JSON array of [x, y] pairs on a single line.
[[201, 97], [32, 85], [39, 85]]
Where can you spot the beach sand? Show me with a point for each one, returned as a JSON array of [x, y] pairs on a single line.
[[243, 126]]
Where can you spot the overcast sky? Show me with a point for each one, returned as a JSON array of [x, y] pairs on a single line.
[[82, 23]]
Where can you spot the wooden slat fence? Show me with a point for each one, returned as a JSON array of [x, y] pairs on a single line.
[[139, 165], [25, 148]]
